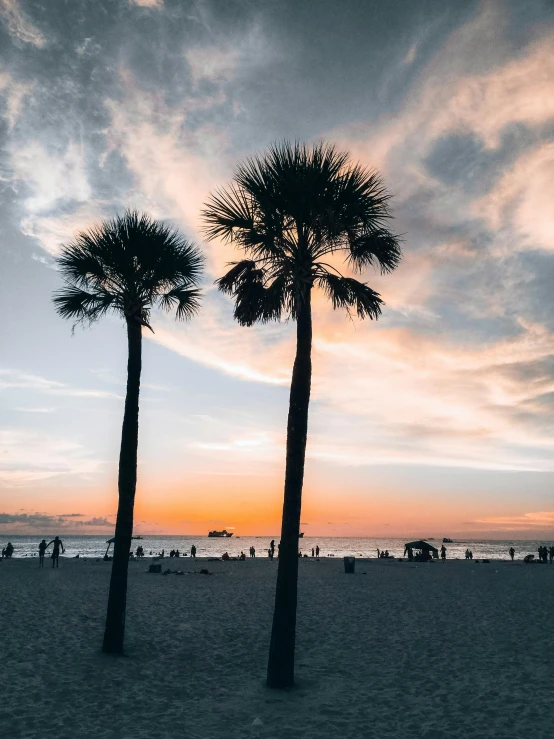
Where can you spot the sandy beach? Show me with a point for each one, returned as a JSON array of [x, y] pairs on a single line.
[[458, 649]]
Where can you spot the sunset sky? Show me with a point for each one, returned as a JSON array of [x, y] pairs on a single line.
[[437, 419]]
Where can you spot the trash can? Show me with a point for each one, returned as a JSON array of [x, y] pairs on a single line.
[[349, 564]]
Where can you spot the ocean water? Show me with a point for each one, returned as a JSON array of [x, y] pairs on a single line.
[[95, 546]]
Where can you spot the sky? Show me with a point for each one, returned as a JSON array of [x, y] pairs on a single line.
[[435, 420]]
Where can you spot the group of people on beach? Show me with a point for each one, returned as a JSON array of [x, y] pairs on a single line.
[[177, 553], [8, 550], [469, 554], [545, 554]]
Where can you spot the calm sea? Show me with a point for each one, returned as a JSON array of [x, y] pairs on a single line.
[[95, 546]]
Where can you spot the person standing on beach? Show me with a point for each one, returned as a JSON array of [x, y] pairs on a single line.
[[57, 542], [272, 547], [443, 553], [193, 551], [41, 550], [512, 552], [317, 551]]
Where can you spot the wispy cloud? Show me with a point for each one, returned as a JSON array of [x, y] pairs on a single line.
[[539, 520], [30, 456], [19, 26], [147, 3], [15, 379]]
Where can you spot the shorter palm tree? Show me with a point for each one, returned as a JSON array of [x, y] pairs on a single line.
[[290, 211], [127, 266]]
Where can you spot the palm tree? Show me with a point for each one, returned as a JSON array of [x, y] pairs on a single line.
[[127, 266], [290, 210]]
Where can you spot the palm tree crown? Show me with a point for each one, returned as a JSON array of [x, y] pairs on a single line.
[[290, 211], [128, 265]]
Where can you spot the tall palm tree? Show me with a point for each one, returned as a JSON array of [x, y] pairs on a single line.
[[290, 210], [127, 266]]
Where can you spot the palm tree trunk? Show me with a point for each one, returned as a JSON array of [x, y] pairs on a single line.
[[117, 599], [280, 670]]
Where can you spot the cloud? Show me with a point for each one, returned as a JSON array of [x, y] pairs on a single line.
[[30, 456], [13, 93], [147, 3], [52, 230], [19, 27], [539, 520], [98, 521], [224, 61], [30, 522], [521, 200], [53, 177], [10, 378], [35, 410]]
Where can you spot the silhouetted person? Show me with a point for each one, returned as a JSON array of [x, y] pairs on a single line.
[[172, 553], [3, 552], [313, 552], [512, 552], [272, 547], [177, 553], [41, 550], [242, 557], [317, 551], [193, 551], [270, 553], [9, 550], [443, 552], [162, 554], [470, 554], [57, 542], [551, 553]]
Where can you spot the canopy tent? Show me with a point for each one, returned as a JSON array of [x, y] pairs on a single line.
[[424, 546], [109, 542]]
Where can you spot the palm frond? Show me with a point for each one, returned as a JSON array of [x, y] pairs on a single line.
[[186, 302], [373, 248], [229, 282], [85, 307], [287, 209], [347, 293], [256, 300], [134, 259]]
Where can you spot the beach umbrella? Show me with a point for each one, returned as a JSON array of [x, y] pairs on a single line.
[[423, 545], [109, 542]]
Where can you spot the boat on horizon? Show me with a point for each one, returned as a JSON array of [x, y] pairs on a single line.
[[446, 540], [220, 534]]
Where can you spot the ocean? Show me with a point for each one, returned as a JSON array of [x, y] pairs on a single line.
[[95, 546]]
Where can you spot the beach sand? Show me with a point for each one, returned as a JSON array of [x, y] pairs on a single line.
[[455, 649]]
